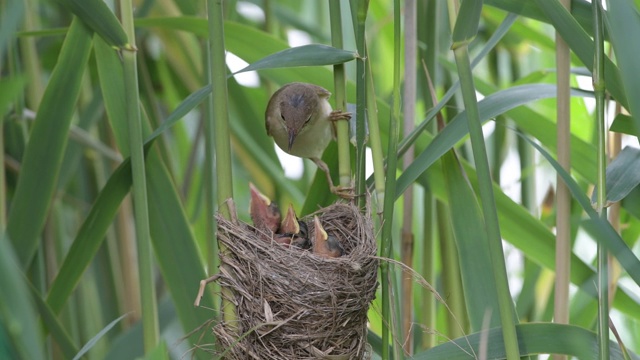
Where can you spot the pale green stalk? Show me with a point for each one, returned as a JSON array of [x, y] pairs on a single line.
[[563, 197], [141, 210], [488, 203], [30, 57], [374, 139], [428, 34], [469, 14], [599, 92], [392, 160], [409, 109], [361, 100], [451, 279], [209, 179], [340, 90], [222, 136]]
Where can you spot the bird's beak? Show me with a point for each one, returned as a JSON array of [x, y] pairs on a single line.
[[319, 230], [290, 222], [292, 138], [258, 198]]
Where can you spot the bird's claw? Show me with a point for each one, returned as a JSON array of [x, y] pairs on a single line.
[[345, 192], [339, 115]]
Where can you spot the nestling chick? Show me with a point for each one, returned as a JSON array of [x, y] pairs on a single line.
[[323, 244], [295, 229], [264, 212]]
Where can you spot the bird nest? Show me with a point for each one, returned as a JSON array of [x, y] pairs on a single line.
[[293, 304]]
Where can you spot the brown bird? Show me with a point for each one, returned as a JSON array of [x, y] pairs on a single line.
[[264, 212], [295, 229], [300, 120], [323, 244]]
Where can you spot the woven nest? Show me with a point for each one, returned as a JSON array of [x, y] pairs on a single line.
[[293, 304]]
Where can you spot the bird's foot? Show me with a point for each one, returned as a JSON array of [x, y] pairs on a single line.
[[345, 192], [339, 115]]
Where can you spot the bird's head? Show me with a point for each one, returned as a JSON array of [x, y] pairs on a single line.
[[298, 107], [264, 212]]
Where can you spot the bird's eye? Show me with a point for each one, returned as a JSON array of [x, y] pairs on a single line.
[[308, 119], [282, 116]]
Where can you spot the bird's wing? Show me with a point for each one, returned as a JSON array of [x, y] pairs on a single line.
[[322, 92]]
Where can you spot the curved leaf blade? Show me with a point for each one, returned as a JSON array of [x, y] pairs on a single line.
[[534, 339], [306, 55], [623, 23], [601, 229], [623, 175], [491, 106], [16, 310], [99, 18], [47, 141]]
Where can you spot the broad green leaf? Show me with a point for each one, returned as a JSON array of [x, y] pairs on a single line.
[[85, 349], [580, 10], [534, 339], [91, 233], [491, 43], [491, 106], [467, 22], [112, 77], [99, 18], [623, 23], [90, 236], [11, 88], [537, 242], [173, 243], [10, 19], [47, 142], [18, 315], [306, 55], [624, 124], [605, 234], [128, 344], [582, 44], [160, 352], [472, 244], [53, 325], [623, 175]]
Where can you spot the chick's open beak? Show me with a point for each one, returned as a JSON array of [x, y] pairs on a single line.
[[264, 213], [290, 222]]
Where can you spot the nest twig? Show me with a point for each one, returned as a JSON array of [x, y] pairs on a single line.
[[293, 304]]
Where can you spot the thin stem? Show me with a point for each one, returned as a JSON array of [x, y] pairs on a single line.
[[563, 199], [392, 160], [409, 106], [427, 33], [488, 202], [222, 139], [209, 178], [340, 90], [374, 139], [361, 98], [603, 261], [140, 204]]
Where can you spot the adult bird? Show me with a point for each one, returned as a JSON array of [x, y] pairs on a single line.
[[300, 120]]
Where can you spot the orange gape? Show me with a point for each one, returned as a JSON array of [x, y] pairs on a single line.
[[264, 212]]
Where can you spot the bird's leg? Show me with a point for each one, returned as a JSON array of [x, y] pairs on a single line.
[[345, 192]]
